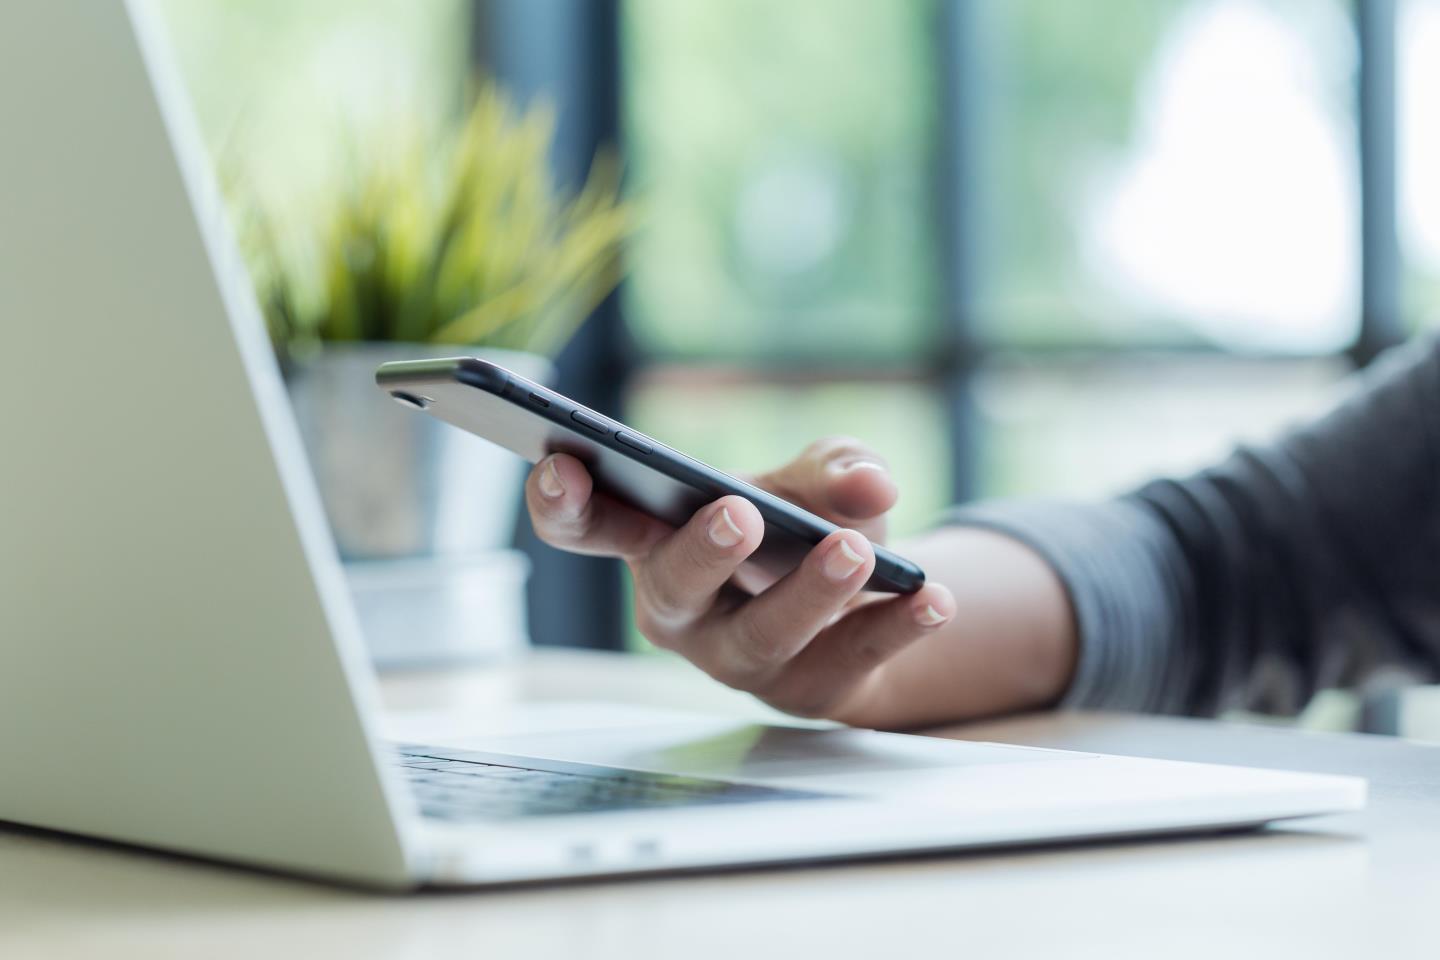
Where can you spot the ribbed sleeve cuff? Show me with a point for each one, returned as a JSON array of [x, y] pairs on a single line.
[[1117, 564]]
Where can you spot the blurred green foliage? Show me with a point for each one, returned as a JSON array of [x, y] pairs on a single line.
[[786, 153], [460, 237]]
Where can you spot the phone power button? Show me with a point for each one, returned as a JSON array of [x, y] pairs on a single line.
[[634, 443], [589, 422]]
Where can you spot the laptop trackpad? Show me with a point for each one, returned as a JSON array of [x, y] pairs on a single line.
[[757, 751]]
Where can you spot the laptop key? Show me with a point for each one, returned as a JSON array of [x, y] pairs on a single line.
[[452, 790]]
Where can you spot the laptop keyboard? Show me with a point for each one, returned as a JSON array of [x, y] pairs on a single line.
[[453, 789]]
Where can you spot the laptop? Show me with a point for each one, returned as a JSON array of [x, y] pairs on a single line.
[[180, 664]]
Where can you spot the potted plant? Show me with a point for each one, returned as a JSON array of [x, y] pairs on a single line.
[[455, 243]]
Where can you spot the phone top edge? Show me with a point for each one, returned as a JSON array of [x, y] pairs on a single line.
[[471, 371]]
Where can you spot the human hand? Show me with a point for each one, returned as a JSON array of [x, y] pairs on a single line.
[[810, 643]]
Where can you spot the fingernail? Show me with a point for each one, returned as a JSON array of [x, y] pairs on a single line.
[[550, 483], [722, 530], [841, 562], [929, 617], [845, 466]]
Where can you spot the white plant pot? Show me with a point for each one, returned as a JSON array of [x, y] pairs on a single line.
[[395, 482], [423, 514]]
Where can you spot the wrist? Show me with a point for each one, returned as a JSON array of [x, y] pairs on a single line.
[[1012, 645]]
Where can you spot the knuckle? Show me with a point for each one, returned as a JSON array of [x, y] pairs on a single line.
[[693, 552], [560, 532], [757, 646], [551, 530], [659, 598], [655, 629], [862, 655]]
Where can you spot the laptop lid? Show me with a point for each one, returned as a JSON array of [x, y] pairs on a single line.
[[178, 658]]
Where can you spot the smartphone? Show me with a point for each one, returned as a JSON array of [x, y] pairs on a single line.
[[491, 402]]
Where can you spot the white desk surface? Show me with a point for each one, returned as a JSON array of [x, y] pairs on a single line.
[[1358, 885]]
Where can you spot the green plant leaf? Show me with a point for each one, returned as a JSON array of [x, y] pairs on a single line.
[[458, 236]]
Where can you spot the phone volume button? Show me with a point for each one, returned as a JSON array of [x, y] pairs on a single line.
[[634, 443], [590, 423]]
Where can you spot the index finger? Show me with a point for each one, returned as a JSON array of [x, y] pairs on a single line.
[[568, 512]]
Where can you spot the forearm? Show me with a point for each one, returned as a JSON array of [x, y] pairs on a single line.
[[1304, 564], [1012, 646]]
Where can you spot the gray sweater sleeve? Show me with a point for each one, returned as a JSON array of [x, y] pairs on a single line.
[[1313, 562]]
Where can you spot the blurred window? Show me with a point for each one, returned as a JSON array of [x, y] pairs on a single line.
[[1091, 426], [1172, 175], [1169, 171], [1418, 84]]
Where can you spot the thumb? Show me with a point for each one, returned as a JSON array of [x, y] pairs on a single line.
[[840, 479]]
